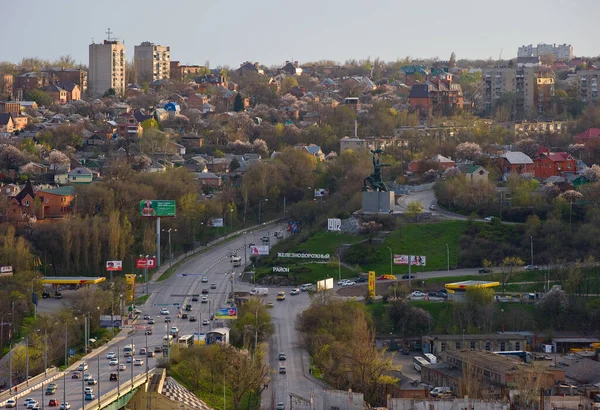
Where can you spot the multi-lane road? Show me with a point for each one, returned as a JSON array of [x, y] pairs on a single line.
[[214, 263]]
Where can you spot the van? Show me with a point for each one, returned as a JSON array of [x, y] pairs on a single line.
[[279, 235], [260, 291], [236, 260], [438, 391], [306, 287]]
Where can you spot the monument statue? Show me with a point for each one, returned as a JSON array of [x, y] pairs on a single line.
[[374, 179]]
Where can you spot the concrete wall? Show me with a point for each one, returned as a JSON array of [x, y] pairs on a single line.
[[377, 201], [343, 400], [457, 404]]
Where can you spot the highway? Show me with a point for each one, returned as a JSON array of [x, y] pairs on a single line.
[[213, 263]]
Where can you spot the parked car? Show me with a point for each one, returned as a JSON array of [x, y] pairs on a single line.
[[488, 218], [341, 282], [440, 390], [405, 351], [362, 279], [485, 270], [532, 267], [58, 295], [417, 294], [432, 207], [45, 295], [408, 277]]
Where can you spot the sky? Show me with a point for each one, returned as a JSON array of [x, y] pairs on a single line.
[[273, 31]]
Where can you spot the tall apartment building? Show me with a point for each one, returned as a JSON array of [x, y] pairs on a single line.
[[587, 85], [530, 87], [561, 52], [107, 67], [152, 62]]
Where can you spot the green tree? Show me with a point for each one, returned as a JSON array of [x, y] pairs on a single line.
[[509, 268], [41, 98], [414, 209], [238, 103]]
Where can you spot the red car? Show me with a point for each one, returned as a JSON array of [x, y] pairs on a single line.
[[53, 403]]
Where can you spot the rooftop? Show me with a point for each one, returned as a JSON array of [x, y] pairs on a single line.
[[485, 360]]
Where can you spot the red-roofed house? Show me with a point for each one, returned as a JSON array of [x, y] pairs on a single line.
[[549, 164], [586, 136]]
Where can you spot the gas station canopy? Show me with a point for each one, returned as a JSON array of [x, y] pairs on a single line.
[[71, 280]]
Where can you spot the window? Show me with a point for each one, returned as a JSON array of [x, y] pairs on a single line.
[[443, 346], [472, 345], [457, 345], [502, 346], [488, 346], [26, 202], [517, 345]]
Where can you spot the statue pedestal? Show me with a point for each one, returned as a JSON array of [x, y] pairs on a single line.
[[378, 202]]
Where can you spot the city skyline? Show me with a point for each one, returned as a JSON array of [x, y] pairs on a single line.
[[271, 33]]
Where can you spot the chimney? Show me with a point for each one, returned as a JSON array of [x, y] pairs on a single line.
[[256, 64], [296, 63]]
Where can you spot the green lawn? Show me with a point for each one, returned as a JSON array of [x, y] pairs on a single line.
[[428, 240], [326, 242], [141, 300], [310, 272]]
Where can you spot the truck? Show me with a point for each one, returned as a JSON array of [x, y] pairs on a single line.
[[236, 260], [260, 291]]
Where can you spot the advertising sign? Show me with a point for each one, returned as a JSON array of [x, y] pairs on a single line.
[[215, 223], [321, 192], [114, 265], [259, 250], [372, 284], [417, 260], [130, 290], [6, 271], [157, 208], [400, 259], [108, 321], [324, 284], [143, 263], [334, 224], [226, 313], [303, 255], [280, 269], [199, 338]]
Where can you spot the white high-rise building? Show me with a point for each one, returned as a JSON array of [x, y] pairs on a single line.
[[107, 68], [561, 52], [152, 62]]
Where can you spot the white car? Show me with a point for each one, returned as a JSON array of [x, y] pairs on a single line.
[[164, 311], [417, 294], [122, 367], [138, 362], [295, 291], [174, 330], [83, 367], [32, 404], [349, 283], [137, 311], [488, 218], [129, 359], [28, 400], [65, 406], [111, 355], [10, 403], [341, 282], [113, 362], [88, 390]]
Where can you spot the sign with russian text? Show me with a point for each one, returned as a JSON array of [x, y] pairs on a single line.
[[157, 208], [400, 259], [215, 223], [279, 269], [145, 263], [114, 265], [226, 313], [303, 255], [6, 270]]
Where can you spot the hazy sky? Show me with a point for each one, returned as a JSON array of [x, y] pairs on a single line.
[[270, 31]]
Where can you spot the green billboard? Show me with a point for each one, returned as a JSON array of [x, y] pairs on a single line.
[[157, 208]]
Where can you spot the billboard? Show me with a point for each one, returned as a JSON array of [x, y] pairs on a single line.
[[215, 223], [372, 284], [199, 338], [108, 321], [152, 208], [324, 284], [114, 265], [259, 250], [418, 260], [130, 291], [6, 270], [334, 224], [145, 263], [321, 192], [226, 313], [303, 255], [400, 259]]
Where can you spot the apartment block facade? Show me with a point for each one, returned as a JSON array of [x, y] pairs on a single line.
[[561, 52], [107, 67], [152, 62], [530, 88], [587, 85]]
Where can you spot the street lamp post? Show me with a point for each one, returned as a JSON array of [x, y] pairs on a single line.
[[448, 256], [260, 209], [27, 359], [170, 248], [391, 261], [531, 239], [230, 220], [10, 368], [339, 266]]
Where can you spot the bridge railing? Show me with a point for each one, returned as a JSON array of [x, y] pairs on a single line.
[[34, 383], [117, 392]]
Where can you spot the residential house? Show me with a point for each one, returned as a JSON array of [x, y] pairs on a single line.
[[72, 89], [192, 141], [476, 174], [9, 190], [10, 107], [437, 92], [175, 148], [129, 126], [57, 202], [172, 107], [180, 72], [206, 82], [312, 149], [291, 68], [441, 163], [197, 101], [81, 175], [208, 179], [63, 75], [515, 162], [220, 165], [95, 140], [353, 143], [6, 122], [248, 67], [495, 150], [7, 82], [587, 136], [549, 164], [22, 204], [33, 168], [525, 128], [31, 81], [58, 94]]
